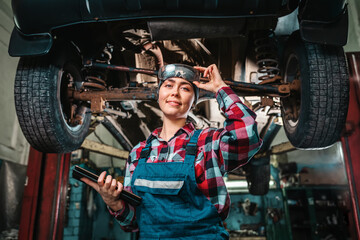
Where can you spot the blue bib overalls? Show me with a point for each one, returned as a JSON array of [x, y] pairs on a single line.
[[173, 207]]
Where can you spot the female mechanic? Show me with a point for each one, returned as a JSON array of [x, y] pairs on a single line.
[[178, 170]]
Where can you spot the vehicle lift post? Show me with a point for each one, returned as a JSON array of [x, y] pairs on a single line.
[[351, 138], [44, 200]]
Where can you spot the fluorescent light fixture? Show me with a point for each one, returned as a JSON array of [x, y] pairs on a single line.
[[242, 186], [236, 184]]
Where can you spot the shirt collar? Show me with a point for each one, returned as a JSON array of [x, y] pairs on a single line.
[[187, 128]]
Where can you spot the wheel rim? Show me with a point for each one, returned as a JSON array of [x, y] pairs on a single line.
[[67, 107], [291, 105]]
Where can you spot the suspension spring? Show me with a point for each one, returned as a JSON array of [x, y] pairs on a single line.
[[266, 56], [96, 79], [93, 82]]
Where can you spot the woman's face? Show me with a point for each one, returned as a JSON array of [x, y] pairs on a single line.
[[176, 97]]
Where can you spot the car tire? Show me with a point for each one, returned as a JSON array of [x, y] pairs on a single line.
[[42, 104], [258, 177], [314, 116]]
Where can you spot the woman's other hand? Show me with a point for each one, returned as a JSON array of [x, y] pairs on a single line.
[[109, 189], [215, 80]]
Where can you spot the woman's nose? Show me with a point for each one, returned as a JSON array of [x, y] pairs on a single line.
[[175, 92]]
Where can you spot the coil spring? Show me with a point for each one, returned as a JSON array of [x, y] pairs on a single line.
[[266, 56], [93, 82]]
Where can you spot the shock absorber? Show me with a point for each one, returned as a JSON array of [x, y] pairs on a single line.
[[266, 57]]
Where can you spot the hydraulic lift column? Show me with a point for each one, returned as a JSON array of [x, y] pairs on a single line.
[[44, 200], [350, 140]]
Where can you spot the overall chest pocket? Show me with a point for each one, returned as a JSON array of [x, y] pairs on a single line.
[[164, 201]]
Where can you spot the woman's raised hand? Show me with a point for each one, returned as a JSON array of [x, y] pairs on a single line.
[[215, 79], [109, 189]]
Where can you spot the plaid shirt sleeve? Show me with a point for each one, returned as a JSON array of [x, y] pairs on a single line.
[[236, 143]]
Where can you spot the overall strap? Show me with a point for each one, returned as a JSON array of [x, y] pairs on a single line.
[[144, 154], [191, 147]]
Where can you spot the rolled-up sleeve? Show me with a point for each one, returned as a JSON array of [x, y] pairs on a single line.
[[239, 139]]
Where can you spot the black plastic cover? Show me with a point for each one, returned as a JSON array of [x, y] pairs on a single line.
[[21, 45]]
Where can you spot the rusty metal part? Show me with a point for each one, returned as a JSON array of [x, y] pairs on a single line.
[[267, 101], [89, 63], [95, 79], [292, 113], [93, 85], [271, 80], [140, 93], [284, 89], [80, 114], [241, 87], [99, 97], [295, 111], [77, 120], [292, 108], [295, 85], [94, 82], [115, 94], [154, 49], [276, 90], [77, 114], [72, 114], [97, 104]]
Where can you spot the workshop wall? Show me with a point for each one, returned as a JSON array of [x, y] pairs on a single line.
[[13, 146], [353, 44], [14, 149]]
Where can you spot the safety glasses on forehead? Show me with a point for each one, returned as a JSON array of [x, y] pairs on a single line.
[[182, 71], [178, 70]]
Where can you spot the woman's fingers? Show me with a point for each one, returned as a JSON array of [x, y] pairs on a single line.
[[119, 188], [108, 181], [91, 184], [204, 70], [113, 185], [101, 179], [215, 81], [201, 85], [208, 72], [200, 69], [109, 189]]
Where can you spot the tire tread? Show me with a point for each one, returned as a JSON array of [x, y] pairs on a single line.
[[329, 98], [32, 95]]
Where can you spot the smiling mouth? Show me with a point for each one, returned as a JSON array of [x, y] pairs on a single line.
[[173, 103]]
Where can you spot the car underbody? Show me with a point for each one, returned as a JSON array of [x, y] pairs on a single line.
[[283, 58]]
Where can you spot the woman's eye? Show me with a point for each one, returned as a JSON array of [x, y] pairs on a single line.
[[185, 89], [168, 85]]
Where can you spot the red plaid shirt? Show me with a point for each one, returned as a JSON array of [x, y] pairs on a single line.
[[219, 151]]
